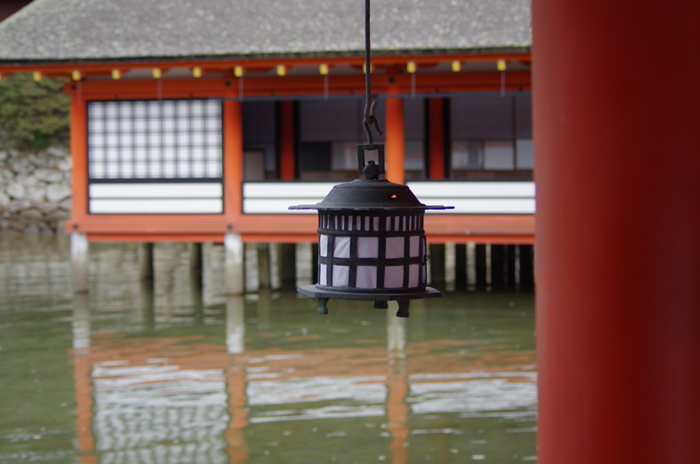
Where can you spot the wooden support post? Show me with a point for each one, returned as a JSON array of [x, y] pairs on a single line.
[[275, 273], [527, 269], [146, 261], [264, 275], [460, 266], [251, 269], [233, 249], [480, 266], [497, 266], [147, 297], [196, 267], [287, 263], [303, 259], [196, 259], [437, 264], [510, 267], [79, 261]]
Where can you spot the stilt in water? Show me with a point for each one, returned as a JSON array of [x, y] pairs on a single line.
[[233, 246], [527, 270], [287, 263], [511, 269], [264, 274], [497, 266], [79, 261], [480, 265], [437, 264], [146, 261], [461, 266]]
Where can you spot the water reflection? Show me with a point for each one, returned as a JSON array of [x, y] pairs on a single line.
[[165, 375]]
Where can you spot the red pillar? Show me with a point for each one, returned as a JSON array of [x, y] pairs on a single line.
[[436, 126], [616, 89], [394, 139], [287, 142], [78, 151], [233, 155]]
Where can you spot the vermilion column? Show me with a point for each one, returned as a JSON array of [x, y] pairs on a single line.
[[436, 150], [395, 144], [78, 149], [233, 166], [287, 141], [616, 89]]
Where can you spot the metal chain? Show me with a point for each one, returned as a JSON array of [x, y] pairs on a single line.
[[370, 105]]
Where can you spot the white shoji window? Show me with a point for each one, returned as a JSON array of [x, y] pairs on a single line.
[[152, 139]]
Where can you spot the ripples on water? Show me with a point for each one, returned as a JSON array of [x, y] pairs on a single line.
[[180, 375]]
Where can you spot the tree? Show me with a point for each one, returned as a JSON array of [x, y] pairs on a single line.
[[33, 115]]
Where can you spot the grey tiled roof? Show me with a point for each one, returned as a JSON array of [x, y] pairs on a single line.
[[69, 30]]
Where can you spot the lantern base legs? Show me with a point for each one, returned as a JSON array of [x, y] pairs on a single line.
[[381, 304], [323, 306], [403, 308]]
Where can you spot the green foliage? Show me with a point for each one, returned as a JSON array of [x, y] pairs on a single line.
[[33, 115]]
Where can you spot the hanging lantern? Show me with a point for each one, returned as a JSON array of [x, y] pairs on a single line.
[[371, 242]]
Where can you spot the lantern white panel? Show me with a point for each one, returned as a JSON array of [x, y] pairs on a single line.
[[393, 277], [323, 245], [322, 274], [341, 248], [340, 276], [366, 277], [413, 273], [367, 247], [394, 247], [414, 246]]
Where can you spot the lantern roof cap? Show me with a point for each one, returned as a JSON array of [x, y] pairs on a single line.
[[370, 195]]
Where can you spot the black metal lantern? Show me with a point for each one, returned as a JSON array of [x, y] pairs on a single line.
[[371, 242]]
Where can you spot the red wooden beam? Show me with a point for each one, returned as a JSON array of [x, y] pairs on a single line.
[[105, 67]]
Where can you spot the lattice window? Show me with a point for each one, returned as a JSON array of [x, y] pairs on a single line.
[[152, 139]]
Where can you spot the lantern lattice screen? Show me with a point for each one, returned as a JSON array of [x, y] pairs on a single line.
[[363, 252]]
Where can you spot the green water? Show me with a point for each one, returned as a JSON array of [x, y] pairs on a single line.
[[180, 375]]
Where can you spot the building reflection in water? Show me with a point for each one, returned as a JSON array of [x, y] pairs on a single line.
[[163, 397]]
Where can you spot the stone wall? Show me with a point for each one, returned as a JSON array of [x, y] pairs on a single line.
[[35, 191]]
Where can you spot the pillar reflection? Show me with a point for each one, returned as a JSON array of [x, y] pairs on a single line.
[[235, 324], [397, 383], [395, 331], [147, 314], [81, 321], [197, 293]]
